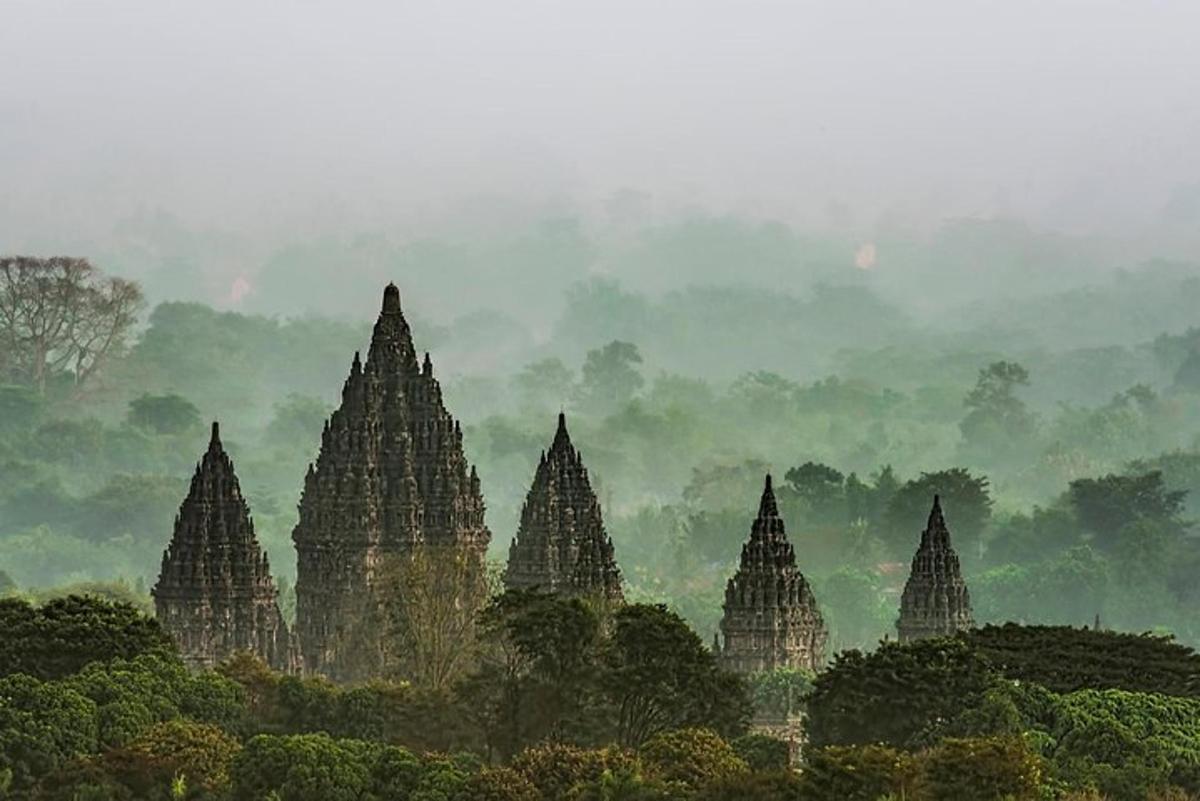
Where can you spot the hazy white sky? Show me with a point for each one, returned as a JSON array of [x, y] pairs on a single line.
[[1081, 115]]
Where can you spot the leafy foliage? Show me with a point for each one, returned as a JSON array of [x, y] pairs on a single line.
[[987, 769], [897, 695], [856, 773], [690, 757], [659, 676], [64, 634], [1064, 659]]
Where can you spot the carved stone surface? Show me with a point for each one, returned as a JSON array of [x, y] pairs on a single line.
[[391, 475], [771, 618], [935, 602], [215, 594], [561, 545]]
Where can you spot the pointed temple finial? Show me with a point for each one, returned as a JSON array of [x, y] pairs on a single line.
[[767, 506], [391, 299], [561, 437], [427, 366], [214, 442]]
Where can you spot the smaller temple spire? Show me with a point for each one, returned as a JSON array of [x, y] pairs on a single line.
[[215, 594], [771, 618], [935, 602], [561, 544]]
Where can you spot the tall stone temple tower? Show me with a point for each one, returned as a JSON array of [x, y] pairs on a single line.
[[935, 602], [771, 617], [561, 545], [215, 594], [391, 475]]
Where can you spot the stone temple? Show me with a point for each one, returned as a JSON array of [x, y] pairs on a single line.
[[771, 617], [215, 594], [935, 602], [561, 545], [390, 476]]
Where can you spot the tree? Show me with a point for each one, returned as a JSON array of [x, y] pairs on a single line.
[[855, 702], [997, 419], [304, 767], [1106, 505], [856, 773], [555, 769], [610, 376], [545, 385], [296, 422], [64, 634], [163, 414], [537, 675], [779, 694], [42, 727], [856, 608], [982, 769], [21, 407], [59, 317], [726, 486], [140, 506], [1065, 659], [658, 676], [1180, 470], [499, 784], [690, 758], [431, 599], [762, 752], [966, 500], [625, 784], [720, 499], [764, 394], [884, 486], [774, 785], [1187, 377], [1024, 538], [822, 490], [1070, 589], [200, 753]]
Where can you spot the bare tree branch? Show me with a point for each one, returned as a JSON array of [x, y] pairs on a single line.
[[59, 316]]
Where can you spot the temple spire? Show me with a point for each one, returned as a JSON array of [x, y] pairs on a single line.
[[561, 544], [215, 594], [771, 619], [935, 602], [391, 476]]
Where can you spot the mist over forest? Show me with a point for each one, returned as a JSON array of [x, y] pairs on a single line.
[[879, 253], [696, 338]]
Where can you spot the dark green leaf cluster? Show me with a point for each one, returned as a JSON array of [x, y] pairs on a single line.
[[1064, 659], [59, 637]]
